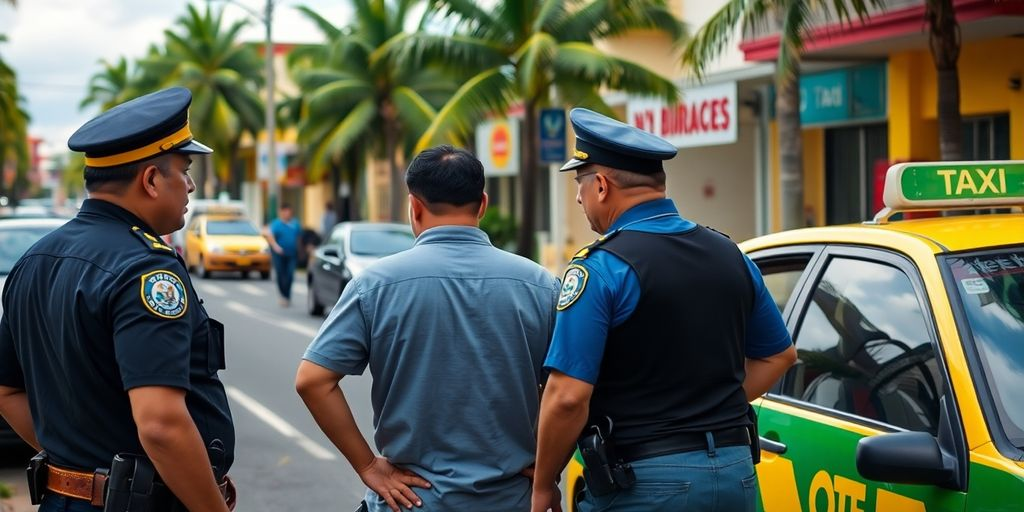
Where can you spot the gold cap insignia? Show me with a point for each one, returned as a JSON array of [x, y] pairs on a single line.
[[579, 155]]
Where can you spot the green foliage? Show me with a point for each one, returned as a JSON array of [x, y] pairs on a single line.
[[500, 228], [13, 123]]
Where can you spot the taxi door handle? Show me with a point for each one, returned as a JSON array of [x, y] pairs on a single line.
[[772, 446]]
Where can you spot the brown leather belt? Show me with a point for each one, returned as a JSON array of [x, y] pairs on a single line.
[[91, 486], [77, 484]]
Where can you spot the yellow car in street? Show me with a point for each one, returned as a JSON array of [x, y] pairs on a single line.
[[218, 242], [910, 335]]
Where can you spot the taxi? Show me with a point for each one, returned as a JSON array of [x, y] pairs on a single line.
[[910, 335], [225, 242]]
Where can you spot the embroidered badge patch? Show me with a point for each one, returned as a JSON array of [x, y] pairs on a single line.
[[163, 294], [573, 283]]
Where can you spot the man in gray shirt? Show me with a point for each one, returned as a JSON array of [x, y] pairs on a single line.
[[455, 332]]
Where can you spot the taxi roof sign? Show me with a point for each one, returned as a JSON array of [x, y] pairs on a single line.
[[952, 185]]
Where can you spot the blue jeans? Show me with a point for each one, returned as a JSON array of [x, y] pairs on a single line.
[[58, 503], [716, 479], [284, 271]]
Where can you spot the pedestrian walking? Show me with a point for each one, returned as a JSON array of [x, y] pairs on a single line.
[[108, 359], [283, 235], [664, 332], [454, 332], [328, 220]]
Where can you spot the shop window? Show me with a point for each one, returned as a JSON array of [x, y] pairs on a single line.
[[851, 155], [986, 138]]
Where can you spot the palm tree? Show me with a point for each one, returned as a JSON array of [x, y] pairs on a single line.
[[223, 75], [13, 127], [355, 97], [109, 86], [944, 43], [795, 17], [521, 50]]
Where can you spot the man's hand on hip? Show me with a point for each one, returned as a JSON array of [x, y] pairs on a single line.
[[546, 497], [392, 483]]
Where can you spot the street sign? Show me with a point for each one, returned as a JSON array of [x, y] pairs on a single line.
[[497, 146], [552, 135]]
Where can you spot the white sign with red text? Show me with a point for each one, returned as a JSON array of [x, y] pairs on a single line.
[[706, 116]]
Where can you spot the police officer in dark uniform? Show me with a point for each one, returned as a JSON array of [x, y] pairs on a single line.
[[105, 348], [664, 333]]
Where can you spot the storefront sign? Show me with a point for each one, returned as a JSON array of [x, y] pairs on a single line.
[[706, 116], [497, 145], [552, 135], [843, 95]]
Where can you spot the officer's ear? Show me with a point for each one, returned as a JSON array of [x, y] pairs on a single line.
[[602, 183], [149, 173]]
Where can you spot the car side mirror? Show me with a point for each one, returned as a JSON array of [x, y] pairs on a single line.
[[906, 458], [332, 252]]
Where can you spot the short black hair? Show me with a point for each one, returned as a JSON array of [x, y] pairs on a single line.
[[446, 175], [118, 177]]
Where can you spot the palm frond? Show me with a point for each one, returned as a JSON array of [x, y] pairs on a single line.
[[714, 36], [328, 29], [463, 51], [585, 62], [338, 97], [415, 114], [532, 59], [487, 92], [342, 137]]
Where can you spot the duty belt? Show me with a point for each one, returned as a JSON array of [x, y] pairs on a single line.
[[89, 486], [683, 442]]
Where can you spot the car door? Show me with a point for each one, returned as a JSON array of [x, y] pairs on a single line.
[[329, 265], [193, 241], [868, 364]]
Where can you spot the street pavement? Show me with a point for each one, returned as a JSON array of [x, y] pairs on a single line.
[[282, 460]]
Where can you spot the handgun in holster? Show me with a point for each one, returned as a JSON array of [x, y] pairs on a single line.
[[131, 484], [604, 472], [755, 439], [37, 476]]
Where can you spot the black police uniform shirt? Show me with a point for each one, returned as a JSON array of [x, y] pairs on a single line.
[[96, 308]]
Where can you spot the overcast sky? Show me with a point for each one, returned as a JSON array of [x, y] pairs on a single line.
[[55, 46]]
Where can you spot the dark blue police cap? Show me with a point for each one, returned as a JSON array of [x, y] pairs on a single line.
[[605, 141], [139, 129]]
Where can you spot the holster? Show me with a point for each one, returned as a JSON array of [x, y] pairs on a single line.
[[37, 475], [755, 438], [131, 484], [604, 472]]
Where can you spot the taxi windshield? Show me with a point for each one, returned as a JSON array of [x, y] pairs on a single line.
[[231, 227], [991, 290]]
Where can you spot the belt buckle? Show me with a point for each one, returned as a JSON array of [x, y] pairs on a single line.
[[99, 487]]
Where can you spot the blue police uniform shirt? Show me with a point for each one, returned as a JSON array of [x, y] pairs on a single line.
[[94, 309], [454, 331], [612, 293], [287, 235]]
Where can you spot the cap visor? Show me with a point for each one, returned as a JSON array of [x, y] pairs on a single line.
[[193, 147], [573, 164]]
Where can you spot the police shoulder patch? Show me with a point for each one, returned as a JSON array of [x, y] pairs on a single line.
[[163, 294], [573, 283]]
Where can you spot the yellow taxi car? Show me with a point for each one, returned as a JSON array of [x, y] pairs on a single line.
[[910, 335], [225, 242]]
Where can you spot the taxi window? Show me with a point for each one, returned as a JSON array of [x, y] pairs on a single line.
[[991, 291], [781, 276], [864, 347]]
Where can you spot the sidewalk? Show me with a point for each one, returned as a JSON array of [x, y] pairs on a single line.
[[14, 478]]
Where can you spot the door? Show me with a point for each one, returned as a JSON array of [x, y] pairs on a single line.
[[867, 365], [329, 268], [851, 186], [193, 242]]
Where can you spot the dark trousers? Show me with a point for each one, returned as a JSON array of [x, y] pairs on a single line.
[[57, 503], [284, 270]]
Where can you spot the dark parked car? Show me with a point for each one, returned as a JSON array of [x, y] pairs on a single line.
[[16, 236], [351, 247]]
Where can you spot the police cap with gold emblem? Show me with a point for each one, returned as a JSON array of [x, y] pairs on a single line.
[[605, 141], [139, 129]]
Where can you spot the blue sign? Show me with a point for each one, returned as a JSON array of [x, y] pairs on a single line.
[[552, 135], [843, 95]]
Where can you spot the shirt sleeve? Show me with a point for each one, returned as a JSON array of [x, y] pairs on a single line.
[[343, 343], [152, 324], [10, 369], [582, 322], [766, 331]]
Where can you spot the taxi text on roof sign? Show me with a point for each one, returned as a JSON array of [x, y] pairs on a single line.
[[938, 185]]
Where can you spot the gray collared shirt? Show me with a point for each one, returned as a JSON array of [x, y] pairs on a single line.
[[455, 332]]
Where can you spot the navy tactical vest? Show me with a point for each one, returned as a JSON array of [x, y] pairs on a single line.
[[677, 363]]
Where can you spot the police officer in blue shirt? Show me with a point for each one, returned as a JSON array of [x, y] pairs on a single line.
[[664, 333], [105, 348]]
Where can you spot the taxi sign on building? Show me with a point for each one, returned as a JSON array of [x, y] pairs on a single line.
[[952, 185]]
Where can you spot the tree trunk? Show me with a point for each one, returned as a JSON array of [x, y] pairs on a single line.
[[944, 42], [397, 185], [791, 150], [526, 240]]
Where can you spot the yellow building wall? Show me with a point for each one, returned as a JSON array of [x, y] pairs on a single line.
[[985, 69]]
